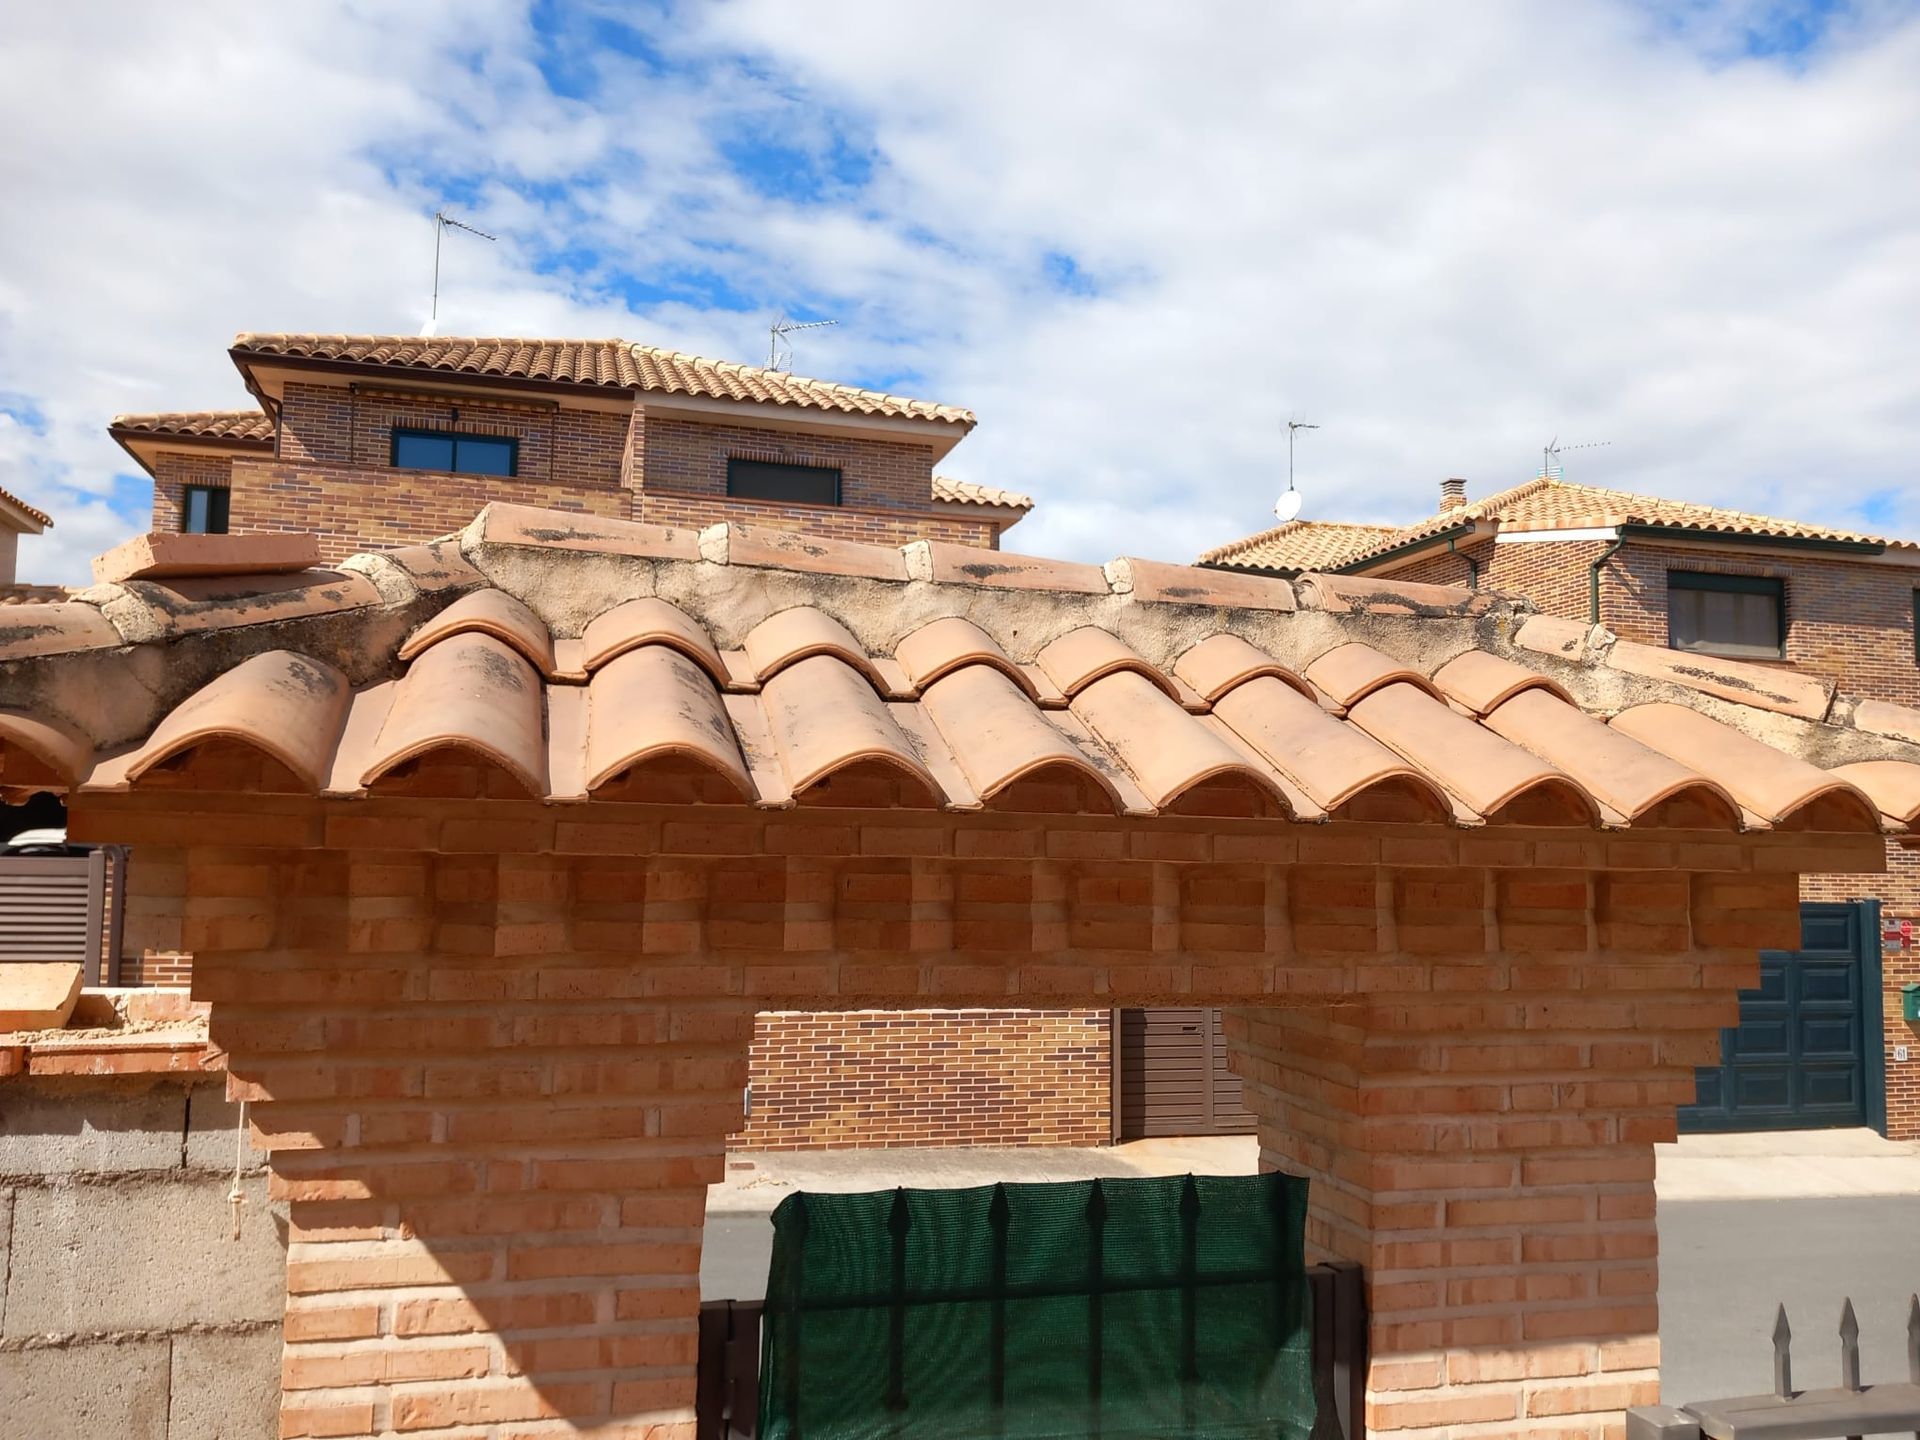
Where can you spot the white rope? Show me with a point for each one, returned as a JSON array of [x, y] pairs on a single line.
[[236, 1196]]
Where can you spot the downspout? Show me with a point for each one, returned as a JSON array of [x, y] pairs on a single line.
[[1593, 577], [1473, 565]]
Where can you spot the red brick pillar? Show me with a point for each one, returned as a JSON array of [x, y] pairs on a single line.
[[494, 1114], [1479, 1128]]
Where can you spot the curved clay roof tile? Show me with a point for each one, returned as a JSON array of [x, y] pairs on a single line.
[[825, 716], [654, 701], [1331, 761], [650, 621], [782, 640], [942, 646], [1483, 682], [998, 736], [1220, 662], [468, 692], [1893, 785], [1486, 772], [282, 704], [1614, 767], [487, 612], [1164, 748], [1772, 784], [1353, 671], [67, 753], [1080, 657]]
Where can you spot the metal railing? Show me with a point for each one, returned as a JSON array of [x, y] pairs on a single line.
[[65, 908], [727, 1406], [1852, 1410]]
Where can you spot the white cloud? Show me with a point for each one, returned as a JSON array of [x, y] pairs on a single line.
[[1445, 241]]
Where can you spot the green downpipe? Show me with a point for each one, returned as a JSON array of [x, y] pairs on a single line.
[[1593, 578]]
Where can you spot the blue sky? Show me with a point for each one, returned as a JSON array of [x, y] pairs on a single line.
[[1134, 244]]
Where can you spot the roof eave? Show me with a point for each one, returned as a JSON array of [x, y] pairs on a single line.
[[1814, 543], [1411, 549]]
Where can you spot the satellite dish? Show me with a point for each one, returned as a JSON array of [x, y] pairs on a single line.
[[1287, 506]]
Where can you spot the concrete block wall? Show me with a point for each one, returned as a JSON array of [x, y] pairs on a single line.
[[128, 1306]]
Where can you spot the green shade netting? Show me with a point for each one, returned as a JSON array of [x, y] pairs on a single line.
[[1173, 1306]]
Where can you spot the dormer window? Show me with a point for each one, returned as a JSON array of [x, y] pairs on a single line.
[[455, 452], [787, 484]]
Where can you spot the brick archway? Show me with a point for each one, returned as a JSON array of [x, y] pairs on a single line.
[[496, 1061]]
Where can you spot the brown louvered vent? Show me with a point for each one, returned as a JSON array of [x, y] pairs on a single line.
[[56, 907]]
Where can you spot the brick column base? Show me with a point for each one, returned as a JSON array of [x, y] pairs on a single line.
[[496, 1161], [1479, 1132]]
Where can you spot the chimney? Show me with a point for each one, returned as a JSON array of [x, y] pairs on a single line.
[[1453, 494]]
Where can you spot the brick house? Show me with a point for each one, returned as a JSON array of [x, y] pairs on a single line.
[[376, 440], [1798, 599], [489, 850]]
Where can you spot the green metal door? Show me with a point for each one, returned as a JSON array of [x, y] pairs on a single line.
[[1799, 1058]]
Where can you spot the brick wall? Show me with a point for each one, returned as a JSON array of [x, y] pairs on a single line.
[[689, 457], [928, 1077], [355, 508], [873, 527], [494, 1050]]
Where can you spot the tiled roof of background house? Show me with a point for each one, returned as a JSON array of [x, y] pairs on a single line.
[[598, 364], [1298, 545], [584, 660], [966, 492], [8, 497], [244, 426], [1542, 504]]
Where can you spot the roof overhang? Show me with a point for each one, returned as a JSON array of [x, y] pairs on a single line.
[[1386, 561], [938, 436], [145, 446], [17, 516]]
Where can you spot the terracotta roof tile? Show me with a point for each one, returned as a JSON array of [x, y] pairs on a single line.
[[591, 364], [243, 427], [723, 685], [966, 492], [1540, 504], [9, 498]]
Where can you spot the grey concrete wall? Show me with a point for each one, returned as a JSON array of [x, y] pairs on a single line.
[[128, 1307]]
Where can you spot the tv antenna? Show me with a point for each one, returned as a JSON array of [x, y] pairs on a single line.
[[443, 222], [779, 351], [1288, 505], [1550, 453]]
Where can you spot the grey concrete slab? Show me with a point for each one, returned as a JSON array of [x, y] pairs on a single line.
[[100, 1389], [225, 1387], [91, 1131], [212, 1124], [143, 1255], [1725, 1265]]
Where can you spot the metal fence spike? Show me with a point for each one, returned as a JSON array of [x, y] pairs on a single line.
[[1849, 1347], [1782, 1355]]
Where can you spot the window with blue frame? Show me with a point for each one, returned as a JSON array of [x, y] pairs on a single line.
[[454, 451]]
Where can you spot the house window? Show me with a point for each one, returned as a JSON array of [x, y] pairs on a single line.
[[1727, 614], [462, 454], [203, 510], [770, 480]]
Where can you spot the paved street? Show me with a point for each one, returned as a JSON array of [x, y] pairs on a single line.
[[1746, 1222]]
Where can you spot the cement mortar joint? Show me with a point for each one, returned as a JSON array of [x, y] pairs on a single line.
[[68, 1340]]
